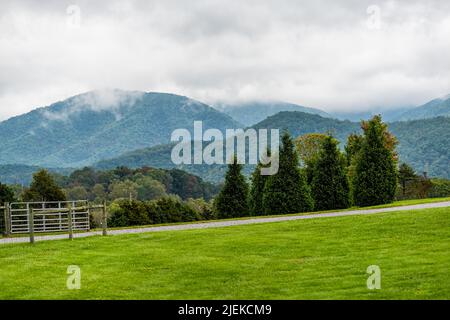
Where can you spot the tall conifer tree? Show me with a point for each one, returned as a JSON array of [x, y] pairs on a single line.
[[232, 200], [257, 191], [375, 179], [287, 191], [330, 187]]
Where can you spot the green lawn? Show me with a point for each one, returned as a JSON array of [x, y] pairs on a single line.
[[322, 258], [389, 205], [408, 203]]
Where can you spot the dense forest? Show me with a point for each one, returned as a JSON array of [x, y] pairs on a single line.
[[143, 184], [140, 184]]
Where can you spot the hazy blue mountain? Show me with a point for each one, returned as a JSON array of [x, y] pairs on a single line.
[[435, 108], [101, 124], [425, 144], [387, 114], [299, 123], [133, 129], [250, 113], [23, 174]]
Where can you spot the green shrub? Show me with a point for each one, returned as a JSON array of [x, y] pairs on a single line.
[[440, 188], [128, 213]]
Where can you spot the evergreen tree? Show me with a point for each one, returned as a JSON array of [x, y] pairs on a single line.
[[330, 187], [308, 147], [287, 191], [232, 200], [375, 179], [257, 191], [44, 188]]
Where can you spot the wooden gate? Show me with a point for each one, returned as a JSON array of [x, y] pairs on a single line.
[[50, 216]]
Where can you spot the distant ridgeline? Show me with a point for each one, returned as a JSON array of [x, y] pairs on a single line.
[[98, 125], [111, 128]]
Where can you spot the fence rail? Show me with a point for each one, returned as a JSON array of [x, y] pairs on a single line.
[[48, 217]]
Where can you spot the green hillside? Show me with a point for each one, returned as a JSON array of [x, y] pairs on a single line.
[[425, 144], [435, 108], [250, 113], [23, 174], [101, 124], [324, 258], [299, 123]]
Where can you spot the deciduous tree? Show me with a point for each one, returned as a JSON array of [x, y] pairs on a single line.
[[44, 188]]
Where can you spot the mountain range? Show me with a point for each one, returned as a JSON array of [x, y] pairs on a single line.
[[435, 108], [97, 125], [250, 113], [111, 128]]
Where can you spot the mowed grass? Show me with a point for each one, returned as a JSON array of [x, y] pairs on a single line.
[[389, 205], [323, 258]]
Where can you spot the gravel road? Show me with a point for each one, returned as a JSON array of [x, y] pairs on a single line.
[[227, 223]]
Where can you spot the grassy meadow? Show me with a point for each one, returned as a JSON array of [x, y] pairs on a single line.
[[322, 258]]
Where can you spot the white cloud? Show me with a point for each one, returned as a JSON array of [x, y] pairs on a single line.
[[315, 53], [111, 100]]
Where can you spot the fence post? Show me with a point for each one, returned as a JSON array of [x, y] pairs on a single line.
[[69, 222], [104, 219], [7, 219], [31, 223]]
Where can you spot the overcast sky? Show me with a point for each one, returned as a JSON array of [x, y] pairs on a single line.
[[334, 55]]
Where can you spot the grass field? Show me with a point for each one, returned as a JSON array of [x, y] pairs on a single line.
[[389, 205], [322, 258]]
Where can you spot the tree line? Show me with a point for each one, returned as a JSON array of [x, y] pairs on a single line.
[[315, 175], [98, 185]]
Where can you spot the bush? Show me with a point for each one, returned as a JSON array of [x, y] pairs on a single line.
[[203, 208], [440, 188], [172, 209], [124, 213]]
